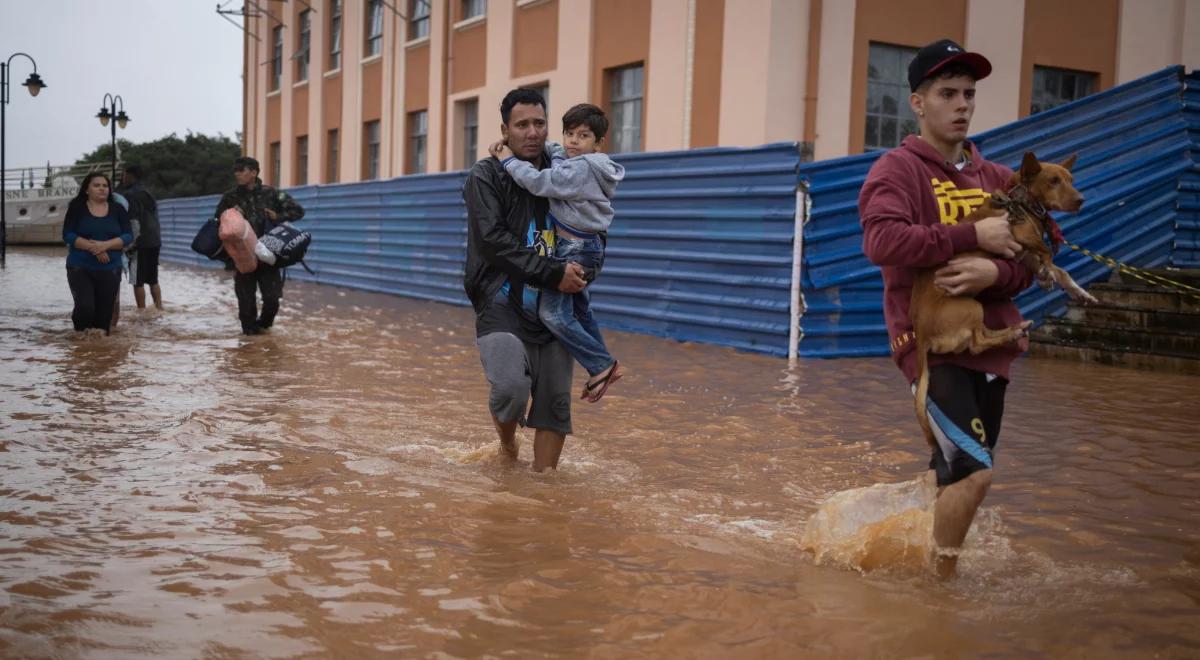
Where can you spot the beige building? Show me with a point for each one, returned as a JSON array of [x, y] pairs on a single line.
[[350, 90]]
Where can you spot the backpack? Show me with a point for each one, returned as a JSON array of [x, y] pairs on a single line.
[[288, 244], [208, 241], [143, 212]]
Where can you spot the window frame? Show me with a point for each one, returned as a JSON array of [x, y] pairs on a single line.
[[1049, 103], [903, 121], [418, 141], [276, 151], [418, 24], [373, 41], [470, 131], [335, 36], [372, 150], [618, 103], [277, 57], [301, 160], [303, 54], [332, 155], [466, 5], [543, 89]]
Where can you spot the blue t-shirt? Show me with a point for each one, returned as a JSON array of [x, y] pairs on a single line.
[[82, 224], [514, 308]]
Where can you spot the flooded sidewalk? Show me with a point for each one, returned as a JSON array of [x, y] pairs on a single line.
[[330, 489]]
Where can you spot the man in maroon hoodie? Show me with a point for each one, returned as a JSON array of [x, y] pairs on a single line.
[[910, 206]]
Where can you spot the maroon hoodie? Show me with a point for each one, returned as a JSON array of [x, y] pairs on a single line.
[[910, 206]]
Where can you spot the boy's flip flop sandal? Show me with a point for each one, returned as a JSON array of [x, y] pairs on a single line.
[[593, 391]]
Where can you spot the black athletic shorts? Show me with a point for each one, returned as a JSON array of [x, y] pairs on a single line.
[[965, 408], [147, 266]]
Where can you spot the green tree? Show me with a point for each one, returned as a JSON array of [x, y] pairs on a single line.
[[194, 165]]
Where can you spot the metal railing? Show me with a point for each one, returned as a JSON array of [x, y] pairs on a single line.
[[45, 176]]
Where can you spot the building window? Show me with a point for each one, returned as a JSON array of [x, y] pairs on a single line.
[[544, 90], [418, 128], [371, 153], [335, 35], [277, 56], [418, 19], [1054, 87], [275, 164], [473, 8], [626, 102], [470, 134], [301, 160], [331, 161], [374, 27], [301, 55], [889, 117]]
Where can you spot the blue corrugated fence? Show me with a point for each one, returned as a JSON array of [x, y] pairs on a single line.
[[1134, 153], [701, 249], [702, 246], [1186, 252]]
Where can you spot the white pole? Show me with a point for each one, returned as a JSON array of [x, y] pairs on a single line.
[[797, 300], [689, 59]]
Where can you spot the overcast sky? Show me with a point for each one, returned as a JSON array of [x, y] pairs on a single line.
[[176, 64]]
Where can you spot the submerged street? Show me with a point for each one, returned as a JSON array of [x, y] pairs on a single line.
[[332, 489]]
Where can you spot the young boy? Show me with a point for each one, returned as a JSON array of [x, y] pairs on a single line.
[[910, 207], [579, 183]]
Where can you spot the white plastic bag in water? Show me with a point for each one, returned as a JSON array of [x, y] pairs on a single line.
[[264, 255]]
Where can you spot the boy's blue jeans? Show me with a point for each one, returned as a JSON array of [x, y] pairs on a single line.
[[568, 316]]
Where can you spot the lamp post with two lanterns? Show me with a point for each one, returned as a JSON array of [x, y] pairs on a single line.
[[118, 118]]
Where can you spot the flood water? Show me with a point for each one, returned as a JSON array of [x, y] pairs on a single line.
[[331, 490]]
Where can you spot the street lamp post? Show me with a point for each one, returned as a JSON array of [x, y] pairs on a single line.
[[34, 84], [118, 118]]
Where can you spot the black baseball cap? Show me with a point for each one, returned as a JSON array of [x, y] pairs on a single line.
[[938, 55], [247, 163]]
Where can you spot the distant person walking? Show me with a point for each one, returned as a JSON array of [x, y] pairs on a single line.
[[95, 229], [144, 208], [263, 207]]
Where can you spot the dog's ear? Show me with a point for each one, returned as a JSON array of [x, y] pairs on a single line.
[[1069, 163], [1030, 166]]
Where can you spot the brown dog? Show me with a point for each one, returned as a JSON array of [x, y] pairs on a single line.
[[950, 324]]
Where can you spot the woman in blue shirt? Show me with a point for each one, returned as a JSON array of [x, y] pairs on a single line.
[[95, 230]]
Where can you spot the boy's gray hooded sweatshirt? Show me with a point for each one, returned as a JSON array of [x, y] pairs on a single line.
[[580, 189]]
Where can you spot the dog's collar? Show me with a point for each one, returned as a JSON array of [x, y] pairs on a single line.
[[1021, 204], [1020, 196]]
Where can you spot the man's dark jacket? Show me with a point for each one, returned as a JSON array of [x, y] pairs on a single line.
[[143, 207], [253, 202], [498, 216]]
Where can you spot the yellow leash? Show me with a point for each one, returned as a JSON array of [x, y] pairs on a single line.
[[1141, 274]]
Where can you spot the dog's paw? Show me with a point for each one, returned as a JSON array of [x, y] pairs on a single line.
[[1045, 279], [1082, 296]]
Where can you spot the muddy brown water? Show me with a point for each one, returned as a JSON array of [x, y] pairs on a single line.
[[331, 490]]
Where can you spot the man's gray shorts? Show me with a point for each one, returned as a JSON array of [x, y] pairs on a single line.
[[517, 370]]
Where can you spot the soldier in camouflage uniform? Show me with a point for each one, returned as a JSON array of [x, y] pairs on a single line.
[[263, 207]]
